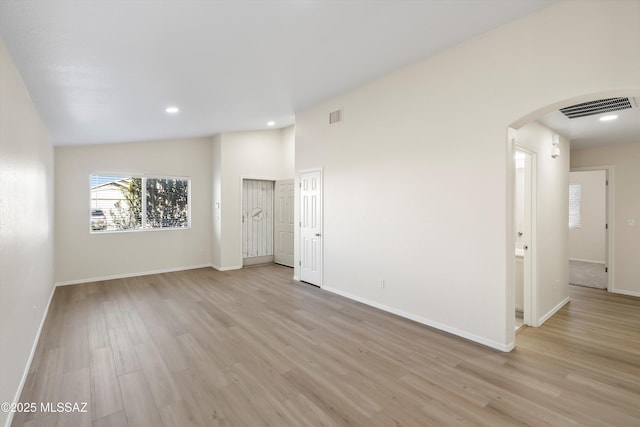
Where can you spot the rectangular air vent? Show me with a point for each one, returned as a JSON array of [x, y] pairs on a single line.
[[596, 107], [335, 117]]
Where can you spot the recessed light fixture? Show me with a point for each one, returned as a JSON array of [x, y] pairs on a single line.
[[172, 110], [271, 123], [608, 118]]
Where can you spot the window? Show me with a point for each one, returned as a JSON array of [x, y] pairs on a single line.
[[130, 203], [575, 200]]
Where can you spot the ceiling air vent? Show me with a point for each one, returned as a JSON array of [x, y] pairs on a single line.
[[335, 117], [596, 107]]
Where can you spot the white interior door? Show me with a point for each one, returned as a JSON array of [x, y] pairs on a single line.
[[311, 227], [257, 221], [284, 231]]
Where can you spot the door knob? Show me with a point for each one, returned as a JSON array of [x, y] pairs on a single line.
[[317, 234], [525, 247]]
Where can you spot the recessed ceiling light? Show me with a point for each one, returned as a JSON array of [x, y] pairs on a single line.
[[172, 110], [608, 118], [271, 123]]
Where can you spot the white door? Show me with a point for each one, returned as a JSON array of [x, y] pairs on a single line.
[[284, 231], [311, 227], [257, 221]]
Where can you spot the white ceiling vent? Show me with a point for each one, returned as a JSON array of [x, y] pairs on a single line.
[[335, 117], [597, 107]]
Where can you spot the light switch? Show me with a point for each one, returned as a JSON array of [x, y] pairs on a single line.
[[631, 222]]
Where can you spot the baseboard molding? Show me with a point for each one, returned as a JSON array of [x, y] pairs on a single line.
[[25, 374], [233, 267], [625, 292], [481, 340], [587, 260], [296, 278], [126, 275], [553, 311]]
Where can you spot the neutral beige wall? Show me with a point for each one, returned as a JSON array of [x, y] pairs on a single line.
[[587, 243], [288, 152], [26, 226], [416, 181], [255, 155], [551, 244], [625, 160], [82, 256]]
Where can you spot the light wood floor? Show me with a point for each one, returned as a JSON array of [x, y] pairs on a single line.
[[251, 348]]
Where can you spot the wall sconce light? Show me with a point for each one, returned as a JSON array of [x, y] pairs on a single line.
[[555, 149]]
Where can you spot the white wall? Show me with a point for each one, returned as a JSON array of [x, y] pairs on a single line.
[[256, 155], [82, 256], [588, 243], [216, 238], [626, 205], [288, 152], [417, 188], [552, 209], [26, 227]]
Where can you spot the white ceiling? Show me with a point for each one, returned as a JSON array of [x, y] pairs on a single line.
[[589, 131], [104, 70]]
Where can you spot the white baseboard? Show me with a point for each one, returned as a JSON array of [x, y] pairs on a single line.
[[124, 276], [625, 292], [25, 374], [587, 260], [489, 343], [553, 311], [296, 278], [233, 267]]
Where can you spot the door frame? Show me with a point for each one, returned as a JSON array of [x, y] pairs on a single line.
[[530, 282], [297, 235], [530, 294], [609, 215], [242, 178]]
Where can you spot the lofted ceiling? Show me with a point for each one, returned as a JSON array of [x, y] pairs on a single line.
[[105, 70]]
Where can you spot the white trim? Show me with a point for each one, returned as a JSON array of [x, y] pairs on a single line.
[[530, 308], [296, 278], [625, 292], [588, 260], [233, 267], [553, 311], [25, 374], [126, 275], [489, 343]]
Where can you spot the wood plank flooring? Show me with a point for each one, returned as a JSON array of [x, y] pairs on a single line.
[[253, 348]]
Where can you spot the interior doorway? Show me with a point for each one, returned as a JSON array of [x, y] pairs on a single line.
[[524, 223], [257, 221], [589, 228]]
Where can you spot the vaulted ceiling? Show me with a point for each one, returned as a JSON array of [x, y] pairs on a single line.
[[104, 71]]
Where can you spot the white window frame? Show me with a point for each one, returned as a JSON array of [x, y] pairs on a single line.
[[143, 221]]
